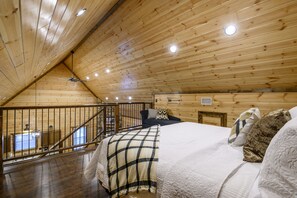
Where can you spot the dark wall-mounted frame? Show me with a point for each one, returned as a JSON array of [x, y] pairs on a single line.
[[222, 116]]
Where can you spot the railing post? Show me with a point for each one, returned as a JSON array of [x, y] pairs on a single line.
[[104, 120], [143, 106], [1, 142], [117, 118]]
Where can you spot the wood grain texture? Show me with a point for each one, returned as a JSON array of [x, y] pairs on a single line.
[[232, 104], [51, 177], [36, 35], [133, 43], [54, 89]]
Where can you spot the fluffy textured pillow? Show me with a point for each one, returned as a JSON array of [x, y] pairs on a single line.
[[293, 112], [162, 114], [152, 113], [278, 176], [242, 126], [261, 134]]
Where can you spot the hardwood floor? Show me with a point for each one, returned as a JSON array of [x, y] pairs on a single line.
[[60, 176]]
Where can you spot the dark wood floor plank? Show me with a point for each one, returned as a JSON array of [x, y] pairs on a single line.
[[60, 176]]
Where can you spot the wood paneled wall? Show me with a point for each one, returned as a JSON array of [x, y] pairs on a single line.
[[232, 104], [35, 35], [54, 89], [134, 44]]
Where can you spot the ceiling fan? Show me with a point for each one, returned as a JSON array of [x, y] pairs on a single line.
[[73, 78]]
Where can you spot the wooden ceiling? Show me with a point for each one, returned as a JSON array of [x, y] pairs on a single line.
[[134, 44], [38, 34]]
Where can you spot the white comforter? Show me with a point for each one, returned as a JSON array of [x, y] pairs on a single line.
[[194, 161]]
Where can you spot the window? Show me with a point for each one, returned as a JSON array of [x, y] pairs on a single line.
[[25, 141], [80, 137]]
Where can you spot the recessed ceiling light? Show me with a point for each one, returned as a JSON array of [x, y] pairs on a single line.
[[106, 98], [173, 48], [96, 74], [88, 78], [81, 12], [107, 70], [230, 30], [117, 98], [130, 98]]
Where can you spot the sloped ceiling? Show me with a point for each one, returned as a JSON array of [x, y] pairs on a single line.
[[134, 44], [38, 34]]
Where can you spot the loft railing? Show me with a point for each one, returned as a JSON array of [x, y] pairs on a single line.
[[31, 132]]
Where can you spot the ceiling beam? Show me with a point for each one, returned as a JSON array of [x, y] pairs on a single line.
[[100, 22], [82, 82]]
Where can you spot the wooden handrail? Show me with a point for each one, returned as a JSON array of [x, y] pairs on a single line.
[[116, 118]]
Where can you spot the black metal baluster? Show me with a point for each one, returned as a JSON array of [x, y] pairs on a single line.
[[14, 126]]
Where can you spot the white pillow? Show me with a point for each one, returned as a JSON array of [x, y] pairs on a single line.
[[243, 125], [152, 113], [278, 176], [293, 112]]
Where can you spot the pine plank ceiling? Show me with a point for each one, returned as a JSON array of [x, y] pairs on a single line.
[[134, 42], [37, 34]]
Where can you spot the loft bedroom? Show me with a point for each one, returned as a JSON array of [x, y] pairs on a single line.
[[77, 75]]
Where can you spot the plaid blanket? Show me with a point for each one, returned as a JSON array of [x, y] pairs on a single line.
[[132, 161]]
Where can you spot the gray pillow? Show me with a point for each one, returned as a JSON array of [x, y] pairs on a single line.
[[152, 113]]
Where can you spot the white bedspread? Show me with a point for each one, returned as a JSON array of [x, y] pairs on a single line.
[[194, 161]]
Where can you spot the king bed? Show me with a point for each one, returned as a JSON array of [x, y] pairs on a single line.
[[193, 160]]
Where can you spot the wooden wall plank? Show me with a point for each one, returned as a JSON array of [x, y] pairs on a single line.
[[133, 43], [231, 103]]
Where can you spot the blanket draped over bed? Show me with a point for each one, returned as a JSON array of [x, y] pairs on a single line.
[[132, 161]]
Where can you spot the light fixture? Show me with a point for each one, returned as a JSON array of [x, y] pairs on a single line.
[[107, 70], [173, 48], [230, 30], [106, 98], [117, 98], [96, 74], [88, 78], [130, 98], [81, 12]]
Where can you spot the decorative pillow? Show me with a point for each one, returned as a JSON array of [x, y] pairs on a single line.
[[278, 176], [152, 113], [261, 134], [242, 126], [162, 114], [293, 112]]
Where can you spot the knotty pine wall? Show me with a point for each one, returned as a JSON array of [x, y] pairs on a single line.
[[51, 90], [54, 89], [134, 44], [231, 103]]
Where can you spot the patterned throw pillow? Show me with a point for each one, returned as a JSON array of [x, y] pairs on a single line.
[[162, 114], [261, 134], [242, 126]]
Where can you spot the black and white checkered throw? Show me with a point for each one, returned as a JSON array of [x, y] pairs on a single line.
[[132, 161]]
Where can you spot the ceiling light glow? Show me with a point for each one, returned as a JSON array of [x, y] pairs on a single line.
[[107, 70], [173, 48], [117, 98], [96, 74], [81, 12], [106, 98], [130, 98], [88, 78], [230, 30]]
